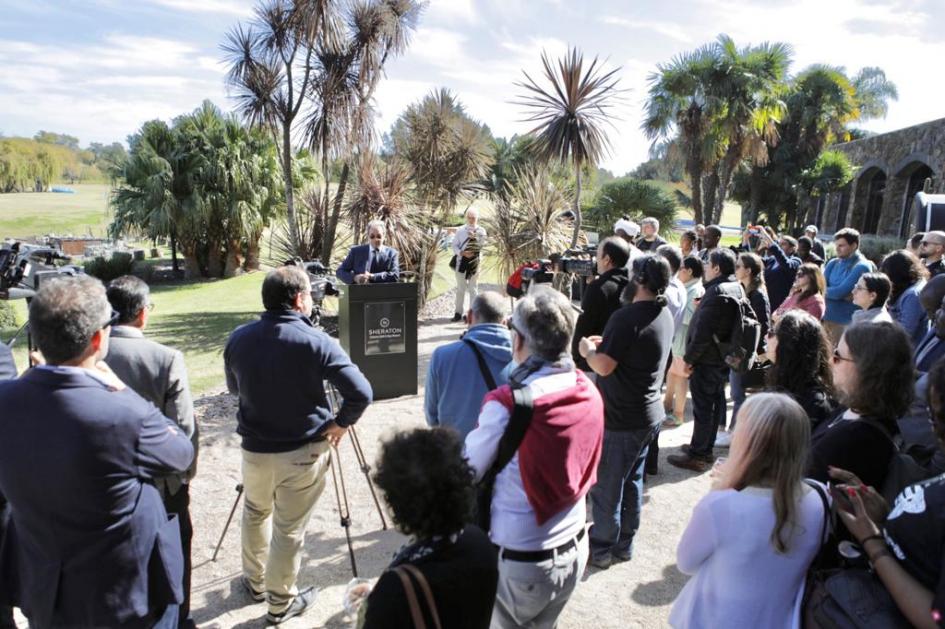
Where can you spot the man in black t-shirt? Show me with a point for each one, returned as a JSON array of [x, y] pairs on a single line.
[[630, 360], [651, 240], [602, 296]]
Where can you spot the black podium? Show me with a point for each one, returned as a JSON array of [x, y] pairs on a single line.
[[377, 326]]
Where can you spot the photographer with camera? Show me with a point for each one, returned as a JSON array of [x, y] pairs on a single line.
[[467, 245], [277, 366], [602, 296]]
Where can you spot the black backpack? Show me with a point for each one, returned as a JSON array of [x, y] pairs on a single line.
[[740, 352]]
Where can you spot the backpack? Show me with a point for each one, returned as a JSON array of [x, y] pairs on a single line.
[[513, 288], [740, 352]]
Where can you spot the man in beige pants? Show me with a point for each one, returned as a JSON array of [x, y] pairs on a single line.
[[277, 365], [467, 245]]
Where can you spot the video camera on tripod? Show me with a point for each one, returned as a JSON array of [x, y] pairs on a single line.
[[24, 268], [581, 262]]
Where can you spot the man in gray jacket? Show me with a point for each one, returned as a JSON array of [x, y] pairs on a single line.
[[158, 374]]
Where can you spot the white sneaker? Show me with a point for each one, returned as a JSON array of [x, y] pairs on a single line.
[[723, 439]]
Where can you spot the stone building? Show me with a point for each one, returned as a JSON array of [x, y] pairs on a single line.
[[890, 169]]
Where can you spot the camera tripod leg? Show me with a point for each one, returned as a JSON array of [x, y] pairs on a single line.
[[239, 494], [344, 511], [366, 470]]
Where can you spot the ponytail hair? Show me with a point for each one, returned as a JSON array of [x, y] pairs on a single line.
[[653, 273]]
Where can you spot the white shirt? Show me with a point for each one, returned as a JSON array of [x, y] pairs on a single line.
[[464, 233], [513, 522], [676, 296]]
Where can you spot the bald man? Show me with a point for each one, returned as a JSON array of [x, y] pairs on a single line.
[[932, 250]]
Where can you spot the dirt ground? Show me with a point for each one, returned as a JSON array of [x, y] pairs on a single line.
[[638, 593]]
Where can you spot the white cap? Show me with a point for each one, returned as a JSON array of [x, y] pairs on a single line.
[[628, 226]]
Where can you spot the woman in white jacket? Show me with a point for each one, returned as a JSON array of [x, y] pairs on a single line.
[[751, 539]]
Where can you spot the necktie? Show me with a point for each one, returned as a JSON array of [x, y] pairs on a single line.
[[372, 260]]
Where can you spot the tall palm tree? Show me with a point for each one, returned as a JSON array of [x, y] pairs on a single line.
[[681, 105], [749, 84], [873, 92], [271, 69], [572, 116]]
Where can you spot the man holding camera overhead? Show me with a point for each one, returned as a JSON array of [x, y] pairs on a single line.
[[277, 366]]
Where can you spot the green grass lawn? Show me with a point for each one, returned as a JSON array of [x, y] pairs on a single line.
[[194, 318], [29, 214]]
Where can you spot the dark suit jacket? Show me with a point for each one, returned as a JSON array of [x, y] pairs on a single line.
[[7, 366], [386, 266], [91, 542], [714, 317], [158, 374]]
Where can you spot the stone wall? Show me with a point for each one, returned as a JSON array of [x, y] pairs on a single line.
[[889, 167]]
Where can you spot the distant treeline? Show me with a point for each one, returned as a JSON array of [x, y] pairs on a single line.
[[35, 164]]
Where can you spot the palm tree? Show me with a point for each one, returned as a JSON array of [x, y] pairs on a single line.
[[681, 106], [748, 84], [271, 69], [873, 92], [572, 116]]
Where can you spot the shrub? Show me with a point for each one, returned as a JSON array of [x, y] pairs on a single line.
[[634, 198], [876, 247], [119, 264], [7, 316]]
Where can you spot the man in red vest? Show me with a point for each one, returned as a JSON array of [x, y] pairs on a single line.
[[538, 513]]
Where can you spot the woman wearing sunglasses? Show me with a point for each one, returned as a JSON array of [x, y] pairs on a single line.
[[874, 377]]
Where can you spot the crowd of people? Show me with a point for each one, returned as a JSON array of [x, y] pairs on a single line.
[[541, 420]]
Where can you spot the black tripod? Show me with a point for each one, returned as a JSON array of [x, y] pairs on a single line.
[[338, 481]]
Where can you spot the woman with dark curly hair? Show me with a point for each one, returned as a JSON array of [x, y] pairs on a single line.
[[799, 351], [907, 275], [429, 487], [904, 543], [874, 376]]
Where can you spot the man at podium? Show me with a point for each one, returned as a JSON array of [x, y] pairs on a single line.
[[372, 263]]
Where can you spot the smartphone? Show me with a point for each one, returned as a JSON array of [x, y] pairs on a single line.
[[840, 497]]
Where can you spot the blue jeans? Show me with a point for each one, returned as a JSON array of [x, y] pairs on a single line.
[[617, 497], [735, 381], [168, 620]]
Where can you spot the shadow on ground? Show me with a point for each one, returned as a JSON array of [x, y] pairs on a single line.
[[198, 331]]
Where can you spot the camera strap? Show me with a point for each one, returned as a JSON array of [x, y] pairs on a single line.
[[483, 368]]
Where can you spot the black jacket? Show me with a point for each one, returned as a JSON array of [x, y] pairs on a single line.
[[277, 366], [714, 318], [762, 309], [601, 299]]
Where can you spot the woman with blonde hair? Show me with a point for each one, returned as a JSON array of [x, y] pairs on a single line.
[[751, 539]]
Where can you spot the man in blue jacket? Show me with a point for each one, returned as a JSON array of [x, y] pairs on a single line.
[[277, 366], [842, 274], [455, 381], [372, 263], [89, 543]]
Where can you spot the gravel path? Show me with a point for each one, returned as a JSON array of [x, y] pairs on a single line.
[[637, 593]]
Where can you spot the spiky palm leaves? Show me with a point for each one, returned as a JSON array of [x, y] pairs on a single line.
[[528, 221], [572, 115]]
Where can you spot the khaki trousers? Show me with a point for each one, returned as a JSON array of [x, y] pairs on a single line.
[[464, 286], [280, 491]]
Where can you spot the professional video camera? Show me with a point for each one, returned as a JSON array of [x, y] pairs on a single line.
[[24, 267], [323, 283], [580, 261]]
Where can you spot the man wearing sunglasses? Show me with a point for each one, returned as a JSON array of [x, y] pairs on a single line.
[[78, 458], [158, 374]]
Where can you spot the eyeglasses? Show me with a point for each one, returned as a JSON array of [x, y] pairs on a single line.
[[112, 320], [858, 287], [837, 357]]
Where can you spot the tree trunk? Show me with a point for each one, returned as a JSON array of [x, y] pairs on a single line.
[[215, 263], [174, 266], [331, 227], [577, 207], [709, 190], [191, 266], [233, 264], [695, 179], [252, 254], [754, 199], [727, 169], [289, 187]]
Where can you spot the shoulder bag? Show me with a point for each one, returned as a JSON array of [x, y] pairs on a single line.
[[404, 572], [483, 367]]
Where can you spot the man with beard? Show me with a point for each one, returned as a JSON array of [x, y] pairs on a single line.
[[931, 251], [630, 360], [602, 296]]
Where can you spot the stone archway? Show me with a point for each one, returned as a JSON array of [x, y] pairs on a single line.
[[869, 191], [909, 179]]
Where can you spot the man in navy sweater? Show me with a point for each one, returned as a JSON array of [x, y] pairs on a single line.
[[278, 366]]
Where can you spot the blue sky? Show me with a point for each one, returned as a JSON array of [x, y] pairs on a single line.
[[97, 69]]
